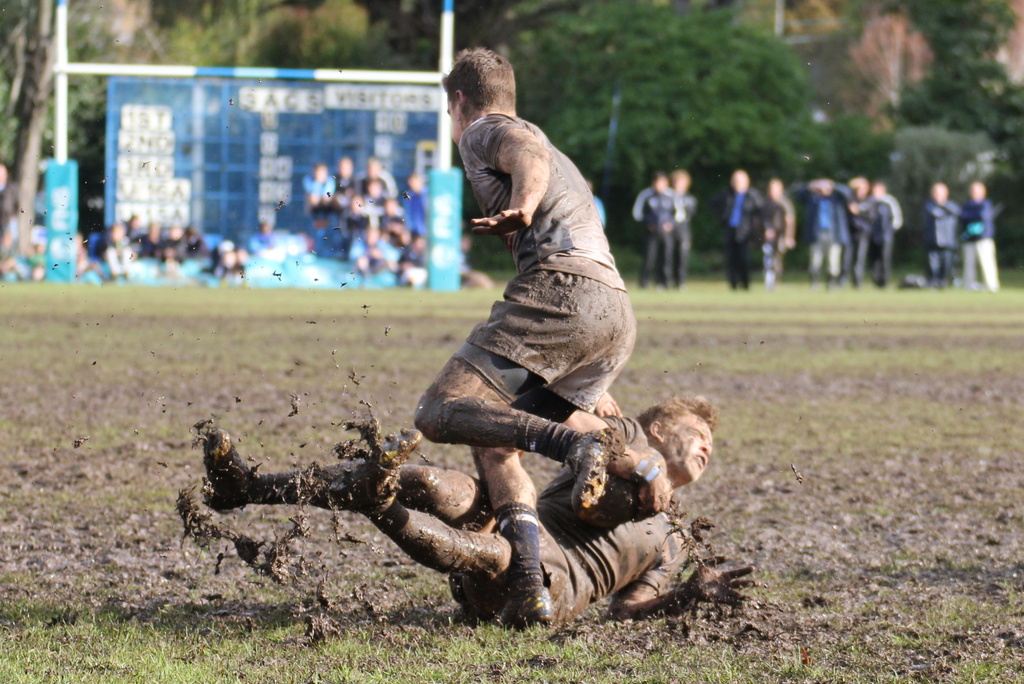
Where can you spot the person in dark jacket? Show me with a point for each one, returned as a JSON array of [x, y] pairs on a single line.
[[741, 210], [887, 218], [655, 207], [941, 220], [977, 217], [862, 210], [826, 226]]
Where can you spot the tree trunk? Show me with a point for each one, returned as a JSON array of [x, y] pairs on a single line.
[[30, 113]]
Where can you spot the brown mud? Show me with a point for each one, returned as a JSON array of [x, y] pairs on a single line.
[[909, 512]]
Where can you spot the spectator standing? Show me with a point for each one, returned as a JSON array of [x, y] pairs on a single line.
[[887, 218], [655, 207], [862, 217], [741, 210], [416, 205], [941, 220], [779, 231], [682, 238], [827, 227], [979, 245]]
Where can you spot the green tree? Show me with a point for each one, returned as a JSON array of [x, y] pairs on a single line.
[[966, 88], [698, 91], [927, 155], [27, 72]]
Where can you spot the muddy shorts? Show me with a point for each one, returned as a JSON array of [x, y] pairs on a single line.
[[574, 332]]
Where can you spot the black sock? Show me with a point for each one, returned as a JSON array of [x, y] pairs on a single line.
[[518, 523], [545, 437]]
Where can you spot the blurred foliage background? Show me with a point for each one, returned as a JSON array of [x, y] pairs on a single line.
[[909, 91]]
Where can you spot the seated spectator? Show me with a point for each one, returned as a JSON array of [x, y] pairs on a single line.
[[372, 255], [375, 171], [9, 256], [195, 244], [392, 212], [134, 229], [264, 240], [174, 248], [344, 183], [37, 262], [357, 221], [87, 265], [416, 205], [148, 245], [412, 265], [118, 253], [230, 266], [375, 198], [318, 188]]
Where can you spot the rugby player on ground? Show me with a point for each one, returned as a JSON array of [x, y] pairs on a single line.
[[443, 520]]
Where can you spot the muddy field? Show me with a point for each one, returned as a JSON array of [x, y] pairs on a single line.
[[868, 462]]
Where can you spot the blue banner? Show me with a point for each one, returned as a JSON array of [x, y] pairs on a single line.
[[61, 220], [445, 236]]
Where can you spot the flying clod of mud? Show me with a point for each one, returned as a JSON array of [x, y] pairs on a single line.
[[320, 628], [272, 559]]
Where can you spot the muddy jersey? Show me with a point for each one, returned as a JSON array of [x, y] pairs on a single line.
[[596, 562], [566, 233]]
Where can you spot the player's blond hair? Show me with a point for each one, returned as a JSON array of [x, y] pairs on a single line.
[[485, 78], [680, 407]]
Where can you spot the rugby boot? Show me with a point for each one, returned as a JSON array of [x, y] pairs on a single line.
[[228, 479], [527, 606], [588, 459], [372, 484]]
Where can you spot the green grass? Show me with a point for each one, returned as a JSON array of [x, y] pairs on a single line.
[[897, 558]]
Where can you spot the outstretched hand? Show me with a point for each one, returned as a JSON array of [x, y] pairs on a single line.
[[508, 221], [709, 584]]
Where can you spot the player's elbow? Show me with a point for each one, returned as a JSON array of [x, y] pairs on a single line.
[[429, 417], [426, 421]]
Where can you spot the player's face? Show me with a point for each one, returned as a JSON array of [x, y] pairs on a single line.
[[687, 445]]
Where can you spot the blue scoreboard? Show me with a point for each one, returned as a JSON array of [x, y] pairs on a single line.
[[225, 154]]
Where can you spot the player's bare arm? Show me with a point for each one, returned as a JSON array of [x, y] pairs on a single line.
[[527, 161]]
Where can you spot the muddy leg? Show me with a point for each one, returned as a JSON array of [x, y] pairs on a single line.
[[453, 497], [441, 547], [356, 485], [460, 408]]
